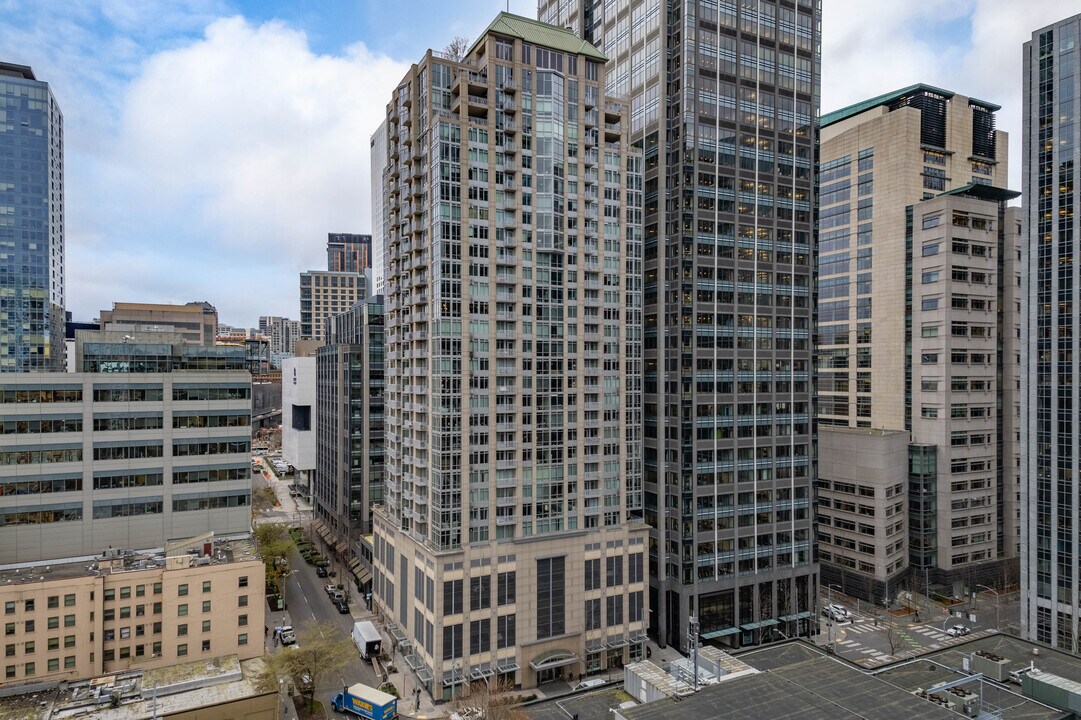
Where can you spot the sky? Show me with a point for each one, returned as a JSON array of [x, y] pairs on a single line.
[[211, 145]]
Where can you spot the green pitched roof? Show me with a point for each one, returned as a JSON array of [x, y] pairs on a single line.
[[847, 112], [543, 34], [984, 192]]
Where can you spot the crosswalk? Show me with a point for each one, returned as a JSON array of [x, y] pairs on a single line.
[[911, 639]]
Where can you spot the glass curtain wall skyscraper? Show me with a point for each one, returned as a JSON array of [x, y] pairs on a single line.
[[724, 97], [31, 223], [1051, 410]]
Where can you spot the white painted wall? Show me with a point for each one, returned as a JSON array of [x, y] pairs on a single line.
[[298, 388]]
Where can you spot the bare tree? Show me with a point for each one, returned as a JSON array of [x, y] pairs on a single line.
[[893, 635], [457, 48], [321, 648], [480, 702]]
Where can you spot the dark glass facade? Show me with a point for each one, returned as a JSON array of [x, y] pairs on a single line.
[[31, 224], [349, 420], [1050, 406], [724, 97]]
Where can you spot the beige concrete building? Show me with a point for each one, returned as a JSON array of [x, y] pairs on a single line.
[[86, 617], [197, 322], [324, 293], [124, 459], [511, 543], [917, 332]]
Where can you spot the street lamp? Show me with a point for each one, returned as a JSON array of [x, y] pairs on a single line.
[[997, 617]]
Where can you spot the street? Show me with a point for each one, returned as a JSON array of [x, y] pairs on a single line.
[[870, 643], [306, 601]]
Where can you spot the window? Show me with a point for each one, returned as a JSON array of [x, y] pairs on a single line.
[[506, 635], [206, 646], [9, 607], [206, 586], [452, 641], [69, 621], [182, 590], [929, 303], [157, 588], [9, 628], [929, 358], [54, 602], [593, 614], [636, 606], [242, 620], [507, 588], [614, 571], [551, 579], [242, 601], [635, 568], [206, 626], [29, 669], [182, 650], [480, 592], [931, 249], [53, 623], [182, 629], [614, 610], [206, 606], [243, 581], [69, 600], [242, 639], [480, 636], [593, 574], [69, 662], [182, 610], [29, 606], [452, 597]]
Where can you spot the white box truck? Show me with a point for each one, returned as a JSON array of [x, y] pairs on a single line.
[[367, 639]]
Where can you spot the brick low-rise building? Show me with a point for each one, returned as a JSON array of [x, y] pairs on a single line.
[[82, 617]]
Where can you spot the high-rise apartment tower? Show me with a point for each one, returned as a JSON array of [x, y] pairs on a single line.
[[378, 159], [31, 224], [723, 101], [510, 543], [349, 252], [1051, 409]]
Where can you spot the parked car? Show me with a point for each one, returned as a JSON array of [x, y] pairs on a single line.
[[958, 631], [320, 571], [288, 635], [342, 605]]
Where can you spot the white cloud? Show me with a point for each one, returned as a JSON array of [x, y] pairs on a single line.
[[240, 150], [972, 47]]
